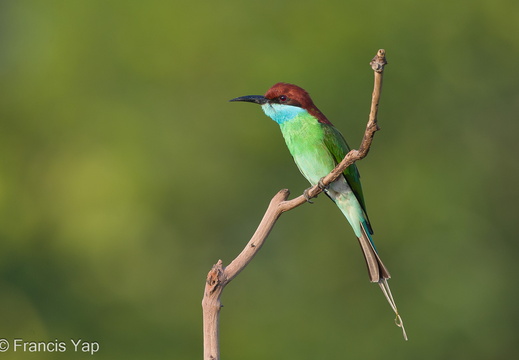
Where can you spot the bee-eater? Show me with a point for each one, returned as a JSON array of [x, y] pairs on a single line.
[[317, 147]]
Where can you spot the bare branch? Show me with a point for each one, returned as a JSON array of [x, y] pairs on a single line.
[[220, 276]]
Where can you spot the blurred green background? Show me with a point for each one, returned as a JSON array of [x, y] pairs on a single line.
[[125, 174]]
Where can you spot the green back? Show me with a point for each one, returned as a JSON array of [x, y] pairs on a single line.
[[338, 147]]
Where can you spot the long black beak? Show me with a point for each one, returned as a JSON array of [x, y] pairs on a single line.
[[258, 99]]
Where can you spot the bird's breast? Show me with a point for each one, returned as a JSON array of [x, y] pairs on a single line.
[[305, 141]]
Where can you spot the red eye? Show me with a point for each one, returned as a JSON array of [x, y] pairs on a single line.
[[283, 98]]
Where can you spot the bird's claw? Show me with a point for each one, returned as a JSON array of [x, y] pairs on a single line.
[[321, 185], [307, 196]]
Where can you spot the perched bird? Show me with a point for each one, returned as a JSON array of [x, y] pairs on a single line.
[[317, 147]]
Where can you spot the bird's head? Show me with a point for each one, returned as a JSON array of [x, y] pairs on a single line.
[[283, 101]]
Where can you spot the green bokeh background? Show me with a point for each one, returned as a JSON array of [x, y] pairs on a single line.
[[125, 174]]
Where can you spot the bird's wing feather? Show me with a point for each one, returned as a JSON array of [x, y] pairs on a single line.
[[338, 147]]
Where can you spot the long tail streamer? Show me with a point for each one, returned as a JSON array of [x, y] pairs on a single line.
[[384, 286]]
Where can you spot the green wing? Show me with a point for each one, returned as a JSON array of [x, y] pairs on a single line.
[[338, 147]]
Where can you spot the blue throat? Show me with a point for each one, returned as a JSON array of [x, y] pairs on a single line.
[[281, 113]]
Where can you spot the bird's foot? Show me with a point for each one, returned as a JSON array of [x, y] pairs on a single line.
[[321, 185], [307, 196]]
